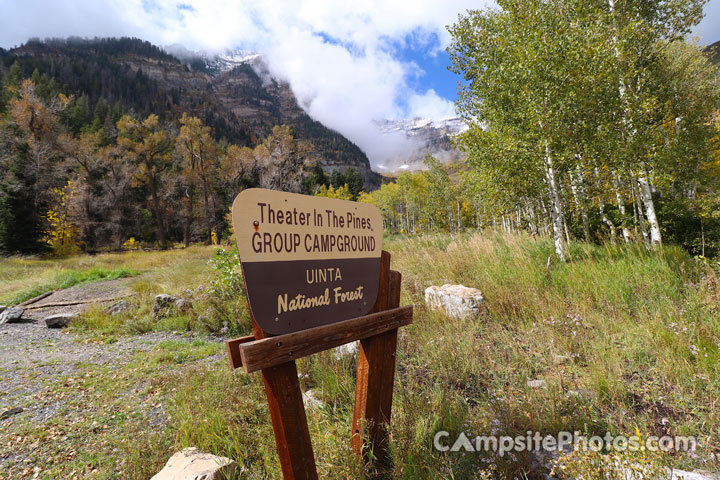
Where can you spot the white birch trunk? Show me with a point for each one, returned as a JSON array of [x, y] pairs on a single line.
[[641, 215], [621, 207], [646, 197], [580, 197], [556, 209]]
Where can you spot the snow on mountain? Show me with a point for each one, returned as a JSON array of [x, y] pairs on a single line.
[[408, 142], [419, 126], [229, 59], [421, 136], [215, 62]]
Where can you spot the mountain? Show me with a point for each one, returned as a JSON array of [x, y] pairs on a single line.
[[713, 52], [420, 137], [231, 92]]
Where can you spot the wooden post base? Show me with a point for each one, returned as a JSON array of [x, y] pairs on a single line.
[[292, 436], [375, 377]]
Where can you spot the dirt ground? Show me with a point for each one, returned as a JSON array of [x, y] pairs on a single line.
[[56, 380]]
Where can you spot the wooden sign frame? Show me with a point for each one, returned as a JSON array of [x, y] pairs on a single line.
[[275, 356]]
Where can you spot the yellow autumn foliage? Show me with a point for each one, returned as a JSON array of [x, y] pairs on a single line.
[[341, 192], [62, 234]]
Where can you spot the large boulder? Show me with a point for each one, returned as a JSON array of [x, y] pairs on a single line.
[[167, 304], [11, 315], [164, 303], [59, 320], [455, 300], [347, 350], [189, 464]]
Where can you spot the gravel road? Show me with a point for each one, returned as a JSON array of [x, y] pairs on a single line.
[[31, 354]]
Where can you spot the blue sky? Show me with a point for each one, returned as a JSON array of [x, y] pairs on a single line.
[[436, 75], [349, 63], [433, 62], [708, 30]]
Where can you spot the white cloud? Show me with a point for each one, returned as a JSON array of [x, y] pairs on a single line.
[[708, 30], [430, 105], [337, 56]]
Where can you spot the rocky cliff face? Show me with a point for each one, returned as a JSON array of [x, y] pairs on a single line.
[[232, 92], [244, 85], [713, 52], [422, 136]]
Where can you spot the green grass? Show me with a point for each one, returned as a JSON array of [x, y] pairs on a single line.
[[626, 319], [169, 270], [180, 352], [67, 279], [611, 332]]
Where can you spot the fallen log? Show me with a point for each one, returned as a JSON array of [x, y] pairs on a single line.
[[78, 302], [35, 299]]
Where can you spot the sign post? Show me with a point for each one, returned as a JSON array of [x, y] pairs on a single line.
[[316, 278]]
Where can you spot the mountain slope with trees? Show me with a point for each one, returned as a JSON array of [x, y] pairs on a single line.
[[713, 52], [103, 141], [238, 105]]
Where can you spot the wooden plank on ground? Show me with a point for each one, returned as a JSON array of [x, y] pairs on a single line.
[[78, 302], [35, 299]]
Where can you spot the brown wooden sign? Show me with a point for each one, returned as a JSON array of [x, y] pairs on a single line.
[[316, 278], [307, 261]]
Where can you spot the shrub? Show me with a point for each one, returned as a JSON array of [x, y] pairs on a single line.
[[227, 299]]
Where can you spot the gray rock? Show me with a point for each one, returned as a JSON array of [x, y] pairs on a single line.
[[183, 305], [11, 315], [163, 304], [538, 383], [347, 350], [118, 307], [582, 394], [189, 464], [455, 300], [3, 308], [699, 475], [310, 399], [10, 413], [59, 320], [163, 301]]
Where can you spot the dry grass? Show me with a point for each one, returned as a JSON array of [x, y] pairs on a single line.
[[170, 270], [625, 339]]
